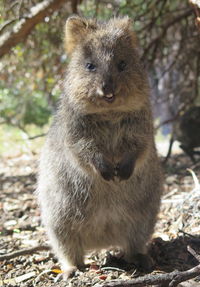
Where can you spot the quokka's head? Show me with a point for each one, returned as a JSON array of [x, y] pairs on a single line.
[[104, 73]]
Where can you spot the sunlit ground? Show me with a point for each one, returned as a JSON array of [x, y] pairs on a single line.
[[15, 142], [162, 144]]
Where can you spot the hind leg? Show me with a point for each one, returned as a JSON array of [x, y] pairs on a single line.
[[136, 252], [136, 245], [69, 252]]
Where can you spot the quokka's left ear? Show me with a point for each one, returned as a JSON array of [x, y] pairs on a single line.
[[75, 31]]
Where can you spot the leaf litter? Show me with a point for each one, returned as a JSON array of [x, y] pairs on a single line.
[[20, 228]]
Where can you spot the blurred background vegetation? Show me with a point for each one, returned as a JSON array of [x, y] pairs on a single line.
[[33, 61]]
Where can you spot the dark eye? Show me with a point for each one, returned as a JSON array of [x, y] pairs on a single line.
[[90, 67], [121, 66]]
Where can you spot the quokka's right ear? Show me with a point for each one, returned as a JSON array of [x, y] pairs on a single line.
[[75, 31]]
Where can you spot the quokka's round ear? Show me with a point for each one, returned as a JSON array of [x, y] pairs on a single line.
[[123, 23], [75, 30], [126, 23], [123, 26]]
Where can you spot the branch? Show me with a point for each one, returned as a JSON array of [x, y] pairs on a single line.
[[165, 28], [170, 120], [37, 136], [197, 256], [171, 279], [22, 29], [5, 24], [27, 251]]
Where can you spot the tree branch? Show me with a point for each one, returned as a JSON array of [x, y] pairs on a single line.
[[21, 29], [5, 24], [165, 28]]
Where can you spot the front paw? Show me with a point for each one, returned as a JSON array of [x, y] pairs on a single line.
[[105, 168], [124, 169]]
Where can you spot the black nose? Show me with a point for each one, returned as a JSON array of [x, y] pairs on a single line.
[[108, 86]]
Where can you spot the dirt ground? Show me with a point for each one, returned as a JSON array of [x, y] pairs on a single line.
[[20, 228]]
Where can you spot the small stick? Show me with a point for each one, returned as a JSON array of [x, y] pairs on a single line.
[[188, 234], [171, 279], [112, 268], [191, 250], [27, 251]]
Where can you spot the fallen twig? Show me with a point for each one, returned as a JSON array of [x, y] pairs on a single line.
[[27, 251], [171, 279], [195, 179], [113, 268], [191, 250], [15, 281]]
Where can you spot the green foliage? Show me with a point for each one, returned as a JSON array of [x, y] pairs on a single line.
[[22, 110], [36, 110], [8, 104], [31, 74]]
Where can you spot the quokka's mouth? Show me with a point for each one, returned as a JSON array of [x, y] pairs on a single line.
[[109, 98]]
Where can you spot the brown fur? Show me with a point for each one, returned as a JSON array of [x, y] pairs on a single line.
[[100, 181]]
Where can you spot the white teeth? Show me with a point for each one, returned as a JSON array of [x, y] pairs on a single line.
[[109, 96]]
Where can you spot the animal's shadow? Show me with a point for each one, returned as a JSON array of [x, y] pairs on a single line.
[[166, 256]]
